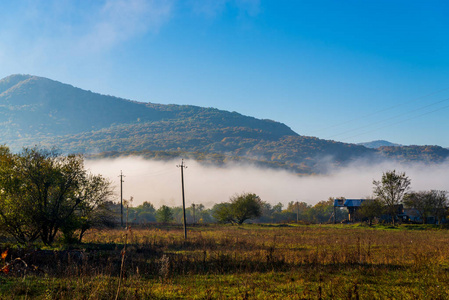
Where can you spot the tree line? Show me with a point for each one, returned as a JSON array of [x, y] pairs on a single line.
[[390, 195], [241, 208]]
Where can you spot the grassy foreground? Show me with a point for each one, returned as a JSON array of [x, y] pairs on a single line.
[[230, 262]]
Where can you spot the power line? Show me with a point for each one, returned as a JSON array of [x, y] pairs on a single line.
[[161, 173], [156, 173], [402, 121], [391, 118], [381, 110]]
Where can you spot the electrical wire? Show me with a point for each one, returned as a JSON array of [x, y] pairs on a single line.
[[156, 173], [380, 111], [160, 172], [402, 121], [391, 118]]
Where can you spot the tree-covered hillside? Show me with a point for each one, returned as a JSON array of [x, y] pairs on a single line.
[[426, 154], [36, 110], [33, 106]]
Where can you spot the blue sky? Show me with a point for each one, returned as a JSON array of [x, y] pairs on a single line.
[[351, 71]]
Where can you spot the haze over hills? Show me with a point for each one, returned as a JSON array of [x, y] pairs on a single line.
[[36, 110]]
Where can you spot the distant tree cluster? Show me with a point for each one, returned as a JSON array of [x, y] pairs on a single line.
[[241, 208], [393, 191], [432, 203]]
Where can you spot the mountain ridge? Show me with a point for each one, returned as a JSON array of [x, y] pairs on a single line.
[[378, 143], [38, 110], [44, 92]]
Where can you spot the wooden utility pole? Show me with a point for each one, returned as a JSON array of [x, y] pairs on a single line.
[[297, 211], [121, 197], [182, 166], [335, 214]]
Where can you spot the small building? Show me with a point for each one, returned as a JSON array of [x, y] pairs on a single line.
[[353, 205], [412, 215]]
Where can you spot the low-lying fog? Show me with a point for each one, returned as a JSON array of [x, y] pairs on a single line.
[[160, 182]]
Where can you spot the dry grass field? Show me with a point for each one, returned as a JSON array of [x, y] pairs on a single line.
[[236, 262]]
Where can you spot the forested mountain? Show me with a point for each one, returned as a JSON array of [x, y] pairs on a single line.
[[434, 154], [36, 110], [34, 106], [377, 144]]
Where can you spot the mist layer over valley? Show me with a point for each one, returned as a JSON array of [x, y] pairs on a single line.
[[159, 182]]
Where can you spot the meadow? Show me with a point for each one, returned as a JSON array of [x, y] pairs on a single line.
[[236, 262]]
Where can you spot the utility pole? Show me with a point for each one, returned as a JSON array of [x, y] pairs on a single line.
[[297, 211], [121, 197], [182, 166], [335, 214]]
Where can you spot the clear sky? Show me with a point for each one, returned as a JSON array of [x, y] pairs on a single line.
[[351, 71]]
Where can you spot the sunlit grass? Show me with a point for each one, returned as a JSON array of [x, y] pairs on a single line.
[[250, 261]]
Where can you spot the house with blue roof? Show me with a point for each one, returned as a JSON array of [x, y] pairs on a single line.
[[351, 204]]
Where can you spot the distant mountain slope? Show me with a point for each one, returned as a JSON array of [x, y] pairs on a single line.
[[36, 110], [426, 154], [34, 106], [378, 143], [299, 153]]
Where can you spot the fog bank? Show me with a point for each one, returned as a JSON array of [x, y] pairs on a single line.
[[160, 182]]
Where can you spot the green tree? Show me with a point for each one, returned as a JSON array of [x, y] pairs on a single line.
[[145, 212], [439, 205], [270, 213], [390, 190], [321, 212], [147, 206], [300, 210], [222, 212], [93, 210], [240, 208], [43, 192], [428, 203], [164, 214], [15, 208], [246, 206], [421, 202], [370, 209], [178, 214], [205, 215], [277, 208]]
